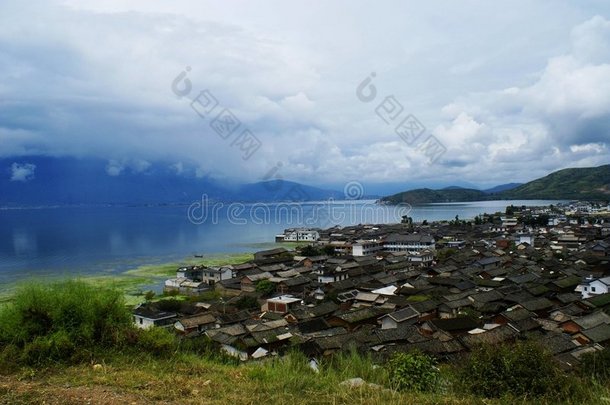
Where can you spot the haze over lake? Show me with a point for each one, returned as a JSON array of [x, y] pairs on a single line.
[[86, 240]]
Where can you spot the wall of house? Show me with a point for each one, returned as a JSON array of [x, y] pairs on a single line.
[[143, 323], [388, 323]]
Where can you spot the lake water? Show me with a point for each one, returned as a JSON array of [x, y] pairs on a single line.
[[88, 240]]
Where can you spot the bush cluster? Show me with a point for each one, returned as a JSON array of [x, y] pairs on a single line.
[[596, 365], [521, 369], [414, 371], [70, 321]]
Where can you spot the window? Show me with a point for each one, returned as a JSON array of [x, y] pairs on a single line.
[[586, 288], [593, 289]]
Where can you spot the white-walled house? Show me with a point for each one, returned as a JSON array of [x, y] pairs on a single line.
[[213, 275], [593, 286], [525, 238], [366, 247], [328, 275], [144, 318]]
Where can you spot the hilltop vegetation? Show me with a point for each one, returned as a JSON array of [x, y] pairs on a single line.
[[569, 184], [70, 342], [426, 195]]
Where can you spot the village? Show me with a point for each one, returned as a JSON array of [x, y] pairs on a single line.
[[536, 273]]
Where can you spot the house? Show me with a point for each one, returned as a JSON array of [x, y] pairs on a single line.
[[424, 258], [279, 255], [509, 222], [366, 247], [185, 286], [329, 275], [408, 243], [487, 263], [198, 323], [593, 286], [525, 238], [248, 283], [213, 275], [193, 273], [406, 316], [145, 318], [353, 319], [281, 304]]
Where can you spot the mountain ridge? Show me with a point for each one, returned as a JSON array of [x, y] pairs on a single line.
[[589, 183]]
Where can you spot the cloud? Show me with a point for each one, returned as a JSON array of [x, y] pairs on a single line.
[[23, 172], [510, 97], [114, 168], [561, 119], [178, 167]]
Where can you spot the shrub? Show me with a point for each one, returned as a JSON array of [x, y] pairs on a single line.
[[247, 302], [265, 287], [70, 310], [596, 365], [157, 341], [413, 371], [522, 369]]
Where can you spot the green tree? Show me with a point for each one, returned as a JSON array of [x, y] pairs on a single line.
[[247, 302], [310, 250], [328, 250], [149, 295], [265, 287]]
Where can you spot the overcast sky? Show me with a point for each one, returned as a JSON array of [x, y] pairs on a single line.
[[512, 90]]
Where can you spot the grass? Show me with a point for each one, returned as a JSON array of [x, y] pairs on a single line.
[[189, 379]]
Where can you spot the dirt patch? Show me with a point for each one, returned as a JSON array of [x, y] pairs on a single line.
[[15, 391]]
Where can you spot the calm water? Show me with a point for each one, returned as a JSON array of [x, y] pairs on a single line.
[[108, 239]]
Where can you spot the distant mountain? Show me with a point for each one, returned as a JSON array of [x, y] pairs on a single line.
[[283, 190], [38, 181], [426, 195], [591, 183], [65, 181], [502, 187]]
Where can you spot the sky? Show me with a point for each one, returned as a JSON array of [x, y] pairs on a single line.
[[489, 92]]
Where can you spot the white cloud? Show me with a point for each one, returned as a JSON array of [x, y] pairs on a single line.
[[511, 90], [23, 172], [114, 168], [178, 167]]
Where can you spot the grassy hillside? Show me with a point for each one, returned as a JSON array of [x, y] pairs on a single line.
[[592, 183]]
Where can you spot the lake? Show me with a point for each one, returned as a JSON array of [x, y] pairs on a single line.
[[91, 240]]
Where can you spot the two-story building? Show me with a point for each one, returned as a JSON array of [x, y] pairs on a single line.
[[366, 247], [411, 243]]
